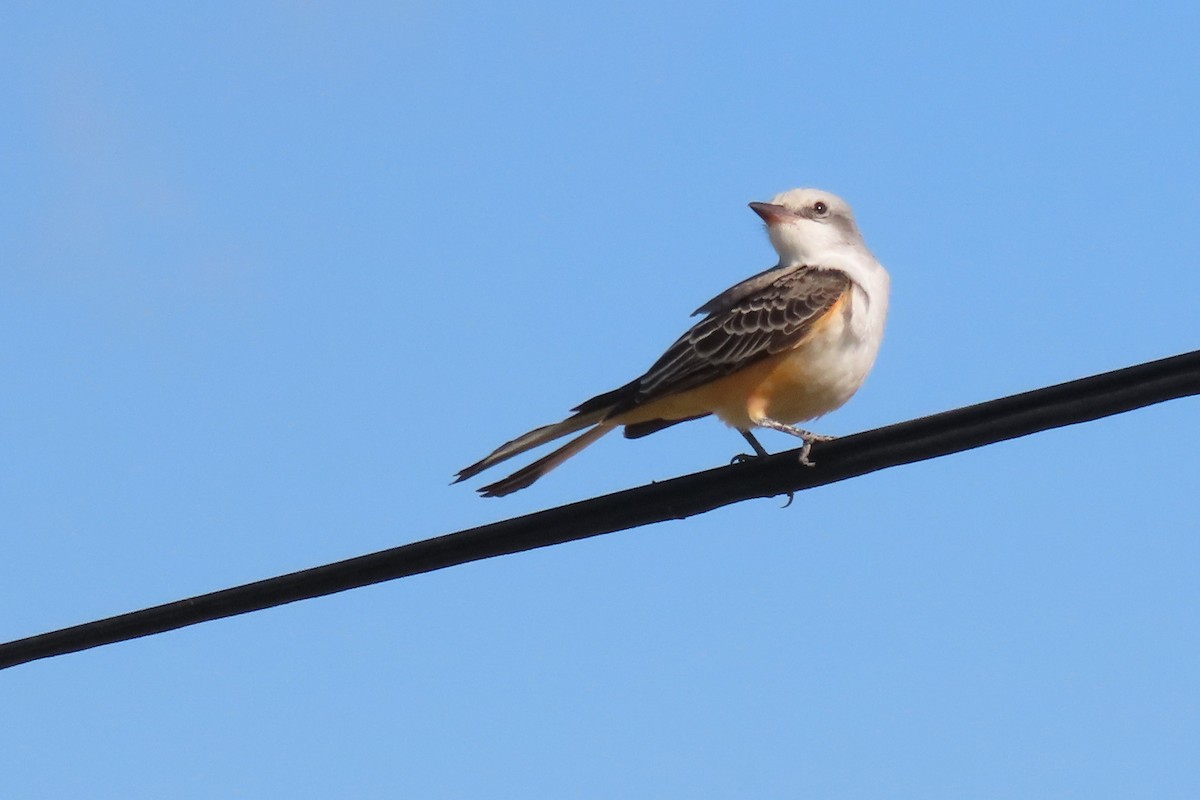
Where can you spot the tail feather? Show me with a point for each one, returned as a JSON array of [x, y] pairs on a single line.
[[639, 429], [609, 400], [527, 475], [528, 441]]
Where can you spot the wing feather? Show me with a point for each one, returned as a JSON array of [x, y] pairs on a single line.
[[771, 319]]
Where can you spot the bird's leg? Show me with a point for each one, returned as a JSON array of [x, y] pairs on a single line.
[[759, 450], [808, 437]]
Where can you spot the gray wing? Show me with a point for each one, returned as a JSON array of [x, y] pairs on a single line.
[[752, 285], [772, 319]]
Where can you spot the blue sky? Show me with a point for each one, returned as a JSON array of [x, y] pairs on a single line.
[[270, 273]]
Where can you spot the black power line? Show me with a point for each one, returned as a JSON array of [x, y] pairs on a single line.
[[847, 457]]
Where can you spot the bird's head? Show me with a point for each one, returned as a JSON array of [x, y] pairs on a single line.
[[805, 223]]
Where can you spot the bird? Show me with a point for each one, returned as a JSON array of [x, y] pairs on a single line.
[[786, 345]]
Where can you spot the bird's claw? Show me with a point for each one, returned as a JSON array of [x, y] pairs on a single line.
[[742, 458], [808, 440]]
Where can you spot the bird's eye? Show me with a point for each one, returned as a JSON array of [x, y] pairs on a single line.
[[820, 208]]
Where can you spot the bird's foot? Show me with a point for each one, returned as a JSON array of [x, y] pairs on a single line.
[[808, 437]]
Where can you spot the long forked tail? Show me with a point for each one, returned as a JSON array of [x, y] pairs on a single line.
[[527, 475], [535, 438], [587, 414]]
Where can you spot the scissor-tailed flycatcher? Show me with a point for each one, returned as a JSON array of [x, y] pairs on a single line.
[[789, 344]]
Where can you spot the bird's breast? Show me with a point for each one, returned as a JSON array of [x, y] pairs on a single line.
[[820, 374]]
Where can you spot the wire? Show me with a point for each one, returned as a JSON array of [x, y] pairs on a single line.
[[846, 457]]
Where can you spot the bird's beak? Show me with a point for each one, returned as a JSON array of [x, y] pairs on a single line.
[[771, 213]]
